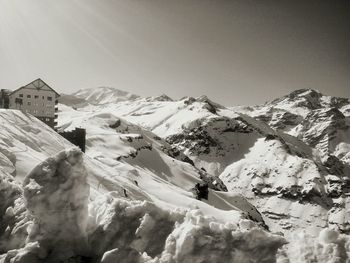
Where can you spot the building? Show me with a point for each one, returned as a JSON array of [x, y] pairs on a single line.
[[4, 99], [36, 98]]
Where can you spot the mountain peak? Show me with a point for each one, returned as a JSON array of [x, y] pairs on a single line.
[[309, 99], [305, 93], [162, 97], [104, 95], [302, 98]]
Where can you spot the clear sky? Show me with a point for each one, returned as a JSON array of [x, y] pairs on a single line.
[[236, 52]]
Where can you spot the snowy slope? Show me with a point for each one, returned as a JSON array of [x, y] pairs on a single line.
[[293, 150], [116, 157], [122, 161], [73, 101]]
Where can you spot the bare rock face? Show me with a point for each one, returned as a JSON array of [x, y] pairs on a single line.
[[56, 197]]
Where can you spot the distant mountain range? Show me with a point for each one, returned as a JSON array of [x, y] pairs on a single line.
[[291, 151]]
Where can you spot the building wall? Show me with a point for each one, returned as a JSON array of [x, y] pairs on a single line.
[[40, 103], [4, 99]]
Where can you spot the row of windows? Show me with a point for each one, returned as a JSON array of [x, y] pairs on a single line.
[[29, 103], [49, 107], [32, 111], [36, 97]]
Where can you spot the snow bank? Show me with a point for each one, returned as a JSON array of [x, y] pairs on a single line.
[[147, 233], [328, 247], [10, 193], [62, 225], [56, 198], [198, 239]]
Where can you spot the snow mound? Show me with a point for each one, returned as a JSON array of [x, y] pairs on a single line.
[[10, 193], [56, 199], [56, 193], [330, 246], [63, 225], [181, 236]]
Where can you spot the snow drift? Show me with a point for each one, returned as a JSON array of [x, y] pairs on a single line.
[[61, 228]]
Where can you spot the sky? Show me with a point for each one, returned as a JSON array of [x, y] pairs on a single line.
[[235, 52]]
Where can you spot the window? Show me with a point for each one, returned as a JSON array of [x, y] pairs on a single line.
[[36, 97], [49, 98], [29, 103], [21, 95], [43, 97], [29, 96]]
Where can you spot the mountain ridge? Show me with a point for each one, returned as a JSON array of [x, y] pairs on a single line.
[[305, 127]]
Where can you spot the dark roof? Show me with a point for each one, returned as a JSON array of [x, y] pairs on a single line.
[[39, 80]]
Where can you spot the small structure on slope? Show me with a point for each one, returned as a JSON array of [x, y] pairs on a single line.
[[36, 98], [77, 137]]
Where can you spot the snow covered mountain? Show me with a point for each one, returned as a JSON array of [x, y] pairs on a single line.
[[277, 173], [321, 121], [144, 176], [286, 156], [289, 157], [103, 95]]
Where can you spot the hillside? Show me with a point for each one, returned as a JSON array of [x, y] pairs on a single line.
[[289, 157], [277, 173], [123, 163]]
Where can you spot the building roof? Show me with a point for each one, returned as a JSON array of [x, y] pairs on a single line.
[[38, 84]]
